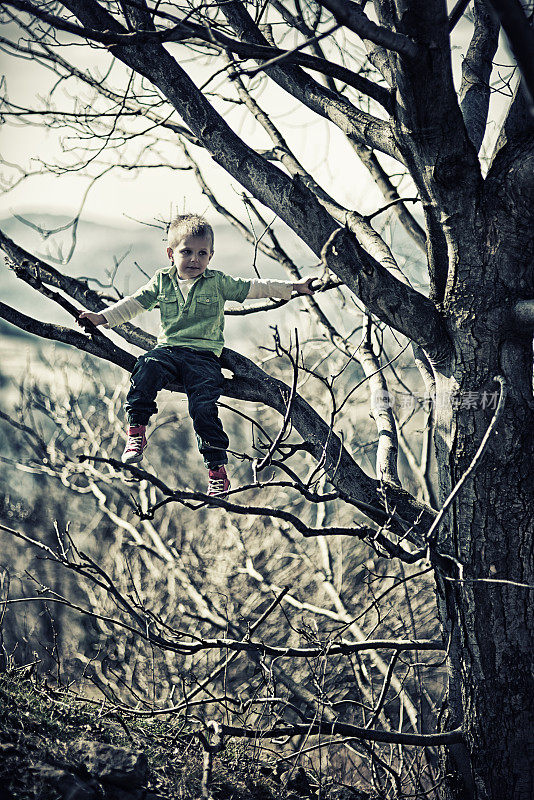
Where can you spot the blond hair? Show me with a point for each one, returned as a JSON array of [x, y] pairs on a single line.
[[188, 225]]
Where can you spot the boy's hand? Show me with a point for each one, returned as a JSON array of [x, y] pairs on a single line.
[[92, 316], [304, 287]]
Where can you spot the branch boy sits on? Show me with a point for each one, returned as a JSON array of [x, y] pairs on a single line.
[[191, 301]]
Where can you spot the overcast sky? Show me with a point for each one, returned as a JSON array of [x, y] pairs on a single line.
[[150, 194]]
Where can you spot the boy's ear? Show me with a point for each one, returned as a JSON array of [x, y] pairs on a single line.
[[170, 252]]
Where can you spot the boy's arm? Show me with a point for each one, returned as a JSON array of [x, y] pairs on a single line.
[[122, 311], [239, 290], [116, 314], [284, 289], [144, 299]]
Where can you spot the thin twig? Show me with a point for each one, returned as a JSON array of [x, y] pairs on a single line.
[[288, 53]]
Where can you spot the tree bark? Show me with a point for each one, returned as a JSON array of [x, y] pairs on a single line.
[[486, 606]]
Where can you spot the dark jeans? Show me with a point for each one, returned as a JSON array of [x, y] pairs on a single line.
[[200, 374]]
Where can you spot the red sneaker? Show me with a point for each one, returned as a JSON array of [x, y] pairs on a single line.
[[133, 452], [219, 483]]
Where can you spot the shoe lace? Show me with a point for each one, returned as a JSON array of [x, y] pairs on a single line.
[[135, 442], [216, 484]]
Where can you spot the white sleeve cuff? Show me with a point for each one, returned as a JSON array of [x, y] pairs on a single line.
[[122, 311], [264, 288]]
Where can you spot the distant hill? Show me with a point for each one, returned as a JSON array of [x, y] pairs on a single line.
[[7, 329]]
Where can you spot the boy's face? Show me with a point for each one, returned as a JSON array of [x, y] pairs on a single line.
[[191, 255]]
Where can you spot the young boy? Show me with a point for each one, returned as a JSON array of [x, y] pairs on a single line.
[[191, 301]]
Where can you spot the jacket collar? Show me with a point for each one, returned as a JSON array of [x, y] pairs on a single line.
[[173, 275]]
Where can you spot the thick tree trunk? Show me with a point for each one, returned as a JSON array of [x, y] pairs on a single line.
[[491, 624], [491, 525]]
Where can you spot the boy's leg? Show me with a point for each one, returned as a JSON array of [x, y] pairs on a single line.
[[152, 372], [203, 382]]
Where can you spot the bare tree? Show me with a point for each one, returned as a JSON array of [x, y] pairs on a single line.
[[384, 79]]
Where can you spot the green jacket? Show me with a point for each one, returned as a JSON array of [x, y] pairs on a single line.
[[198, 321]]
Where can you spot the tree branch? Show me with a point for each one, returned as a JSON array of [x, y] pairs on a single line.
[[179, 495], [476, 71], [101, 346], [351, 15], [521, 37], [345, 729], [328, 648], [275, 55], [444, 163], [393, 302], [74, 287], [387, 449], [385, 184], [182, 31], [100, 26], [330, 105], [53, 58], [457, 13], [518, 122], [117, 35]]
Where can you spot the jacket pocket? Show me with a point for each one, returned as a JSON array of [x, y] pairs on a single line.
[[206, 306], [168, 308]]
